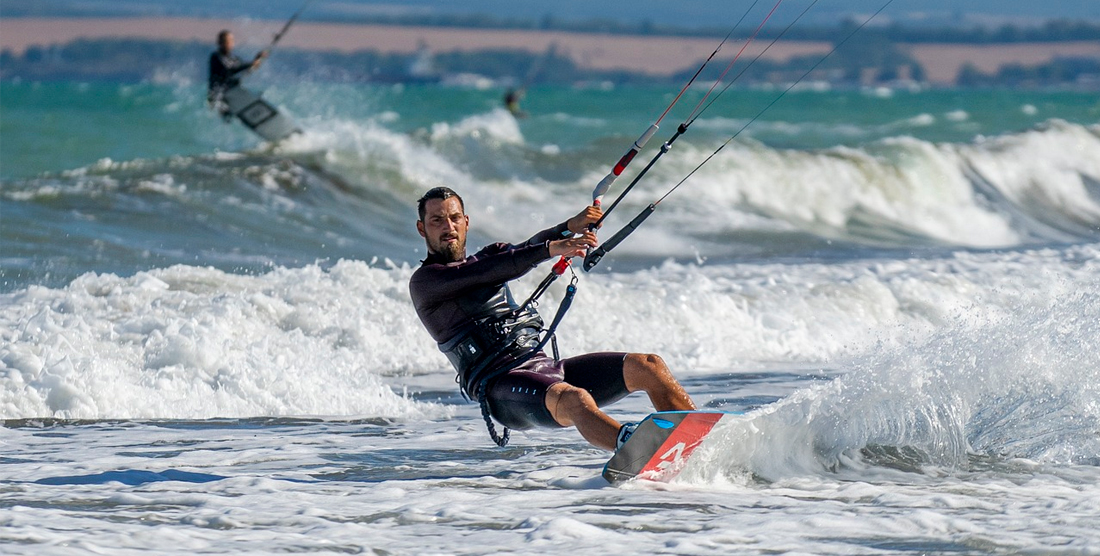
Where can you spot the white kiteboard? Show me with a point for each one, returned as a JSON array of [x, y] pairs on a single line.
[[258, 115], [661, 445]]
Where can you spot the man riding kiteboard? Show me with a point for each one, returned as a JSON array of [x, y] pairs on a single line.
[[467, 307], [225, 71]]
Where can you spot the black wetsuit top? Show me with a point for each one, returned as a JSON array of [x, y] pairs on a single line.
[[439, 289], [224, 71]]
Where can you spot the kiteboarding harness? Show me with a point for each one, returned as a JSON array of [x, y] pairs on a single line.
[[501, 336]]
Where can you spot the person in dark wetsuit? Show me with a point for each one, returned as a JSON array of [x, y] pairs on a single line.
[[511, 102], [225, 71], [465, 304]]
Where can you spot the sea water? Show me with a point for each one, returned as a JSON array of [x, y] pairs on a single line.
[[207, 343]]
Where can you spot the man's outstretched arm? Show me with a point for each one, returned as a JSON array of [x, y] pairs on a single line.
[[496, 264]]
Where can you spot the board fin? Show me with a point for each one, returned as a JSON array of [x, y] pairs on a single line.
[[661, 445]]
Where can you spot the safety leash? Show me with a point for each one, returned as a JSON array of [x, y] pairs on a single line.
[[482, 396], [279, 36]]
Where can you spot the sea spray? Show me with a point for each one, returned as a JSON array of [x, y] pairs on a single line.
[[277, 341], [1017, 386], [197, 343], [896, 191]]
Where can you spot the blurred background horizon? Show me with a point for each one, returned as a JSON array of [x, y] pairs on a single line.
[[698, 13], [494, 45]]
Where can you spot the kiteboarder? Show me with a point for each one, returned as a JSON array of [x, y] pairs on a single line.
[[467, 307], [511, 102], [225, 71]]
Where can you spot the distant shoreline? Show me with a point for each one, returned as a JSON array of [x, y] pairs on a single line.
[[648, 55]]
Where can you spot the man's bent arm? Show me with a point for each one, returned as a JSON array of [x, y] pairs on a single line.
[[496, 264], [218, 66]]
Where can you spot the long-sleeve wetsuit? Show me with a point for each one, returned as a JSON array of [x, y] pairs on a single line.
[[224, 72], [446, 294]]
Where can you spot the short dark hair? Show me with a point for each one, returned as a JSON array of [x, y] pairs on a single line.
[[441, 193]]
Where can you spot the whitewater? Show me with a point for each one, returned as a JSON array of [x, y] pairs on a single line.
[[207, 343]]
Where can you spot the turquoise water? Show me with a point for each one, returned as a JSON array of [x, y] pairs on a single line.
[[51, 127], [119, 178]]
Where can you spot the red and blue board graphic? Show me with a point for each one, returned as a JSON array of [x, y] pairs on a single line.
[[661, 445]]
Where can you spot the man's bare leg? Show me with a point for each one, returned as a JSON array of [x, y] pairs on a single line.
[[573, 406], [648, 373]]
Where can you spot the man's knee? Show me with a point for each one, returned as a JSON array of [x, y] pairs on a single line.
[[647, 372], [644, 371], [651, 361], [649, 364]]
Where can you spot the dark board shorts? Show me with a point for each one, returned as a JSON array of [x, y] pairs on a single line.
[[517, 399]]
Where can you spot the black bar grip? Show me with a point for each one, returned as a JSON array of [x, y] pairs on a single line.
[[596, 254]]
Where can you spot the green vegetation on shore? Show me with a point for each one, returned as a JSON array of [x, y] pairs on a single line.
[[874, 56], [1056, 30]]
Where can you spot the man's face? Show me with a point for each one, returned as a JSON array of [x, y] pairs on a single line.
[[444, 228], [226, 43]]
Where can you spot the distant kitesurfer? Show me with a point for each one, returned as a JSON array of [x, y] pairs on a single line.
[[466, 305], [225, 71], [511, 102]]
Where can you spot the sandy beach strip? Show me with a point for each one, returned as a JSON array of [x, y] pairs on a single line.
[[942, 62], [653, 55]]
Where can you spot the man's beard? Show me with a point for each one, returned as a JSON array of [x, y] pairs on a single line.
[[451, 251]]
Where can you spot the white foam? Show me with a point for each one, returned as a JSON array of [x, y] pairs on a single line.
[[961, 415], [1006, 376], [1045, 167], [497, 124], [900, 186], [893, 191], [921, 120], [366, 155], [573, 120], [188, 342], [890, 190], [793, 129], [957, 115]]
